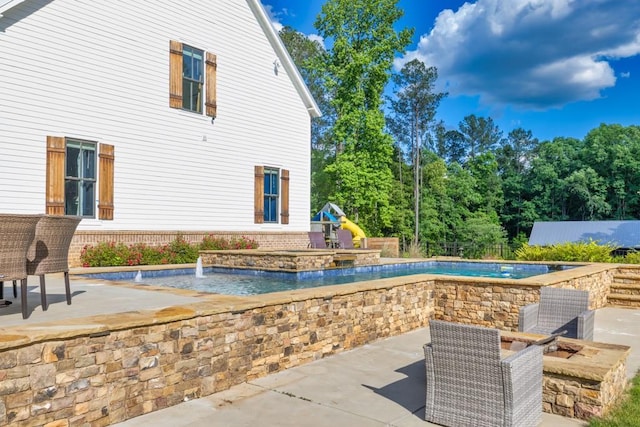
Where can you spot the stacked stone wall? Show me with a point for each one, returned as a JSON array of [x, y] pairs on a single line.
[[112, 376]]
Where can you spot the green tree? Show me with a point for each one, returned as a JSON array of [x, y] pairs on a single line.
[[414, 108], [514, 160], [357, 68], [306, 54], [480, 135], [613, 152]]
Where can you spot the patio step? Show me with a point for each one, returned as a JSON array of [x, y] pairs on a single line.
[[623, 300], [626, 287], [626, 278]]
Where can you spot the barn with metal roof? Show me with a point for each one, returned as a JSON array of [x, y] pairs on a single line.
[[622, 234]]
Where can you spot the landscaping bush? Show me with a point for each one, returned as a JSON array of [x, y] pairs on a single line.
[[178, 251], [577, 252], [212, 242]]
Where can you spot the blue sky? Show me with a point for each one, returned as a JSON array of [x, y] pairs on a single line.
[[554, 67]]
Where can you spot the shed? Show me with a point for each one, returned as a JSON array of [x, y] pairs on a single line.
[[622, 234]]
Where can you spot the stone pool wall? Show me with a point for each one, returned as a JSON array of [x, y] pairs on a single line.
[[106, 369], [496, 303], [111, 368], [292, 260]]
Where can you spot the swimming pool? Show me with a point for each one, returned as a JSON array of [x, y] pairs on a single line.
[[230, 281]]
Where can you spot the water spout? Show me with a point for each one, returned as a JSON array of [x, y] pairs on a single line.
[[138, 277], [199, 268]]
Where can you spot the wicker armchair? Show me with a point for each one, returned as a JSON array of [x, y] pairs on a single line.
[[16, 234], [469, 385], [49, 252], [558, 310]]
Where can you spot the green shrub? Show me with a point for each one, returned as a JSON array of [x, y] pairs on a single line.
[[178, 251], [577, 252], [630, 258], [104, 255]]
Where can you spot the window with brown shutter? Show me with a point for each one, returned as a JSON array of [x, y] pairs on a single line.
[[211, 102], [186, 76], [175, 74], [284, 196], [105, 200], [258, 193], [56, 152]]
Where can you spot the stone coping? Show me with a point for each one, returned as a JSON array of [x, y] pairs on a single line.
[[211, 304], [15, 336], [593, 362]]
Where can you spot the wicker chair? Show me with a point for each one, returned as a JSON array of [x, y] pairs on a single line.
[[16, 234], [469, 385], [49, 252], [559, 310]]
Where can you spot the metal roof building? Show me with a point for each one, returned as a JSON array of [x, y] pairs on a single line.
[[622, 234]]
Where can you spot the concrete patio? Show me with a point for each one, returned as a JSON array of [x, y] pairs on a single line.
[[379, 384]]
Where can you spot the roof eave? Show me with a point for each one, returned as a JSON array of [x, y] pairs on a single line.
[[285, 58]]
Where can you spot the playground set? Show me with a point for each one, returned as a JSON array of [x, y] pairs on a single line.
[[330, 219]]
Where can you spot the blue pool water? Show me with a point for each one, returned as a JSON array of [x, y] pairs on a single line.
[[251, 282]]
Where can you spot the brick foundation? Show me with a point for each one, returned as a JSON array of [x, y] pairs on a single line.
[[266, 240]]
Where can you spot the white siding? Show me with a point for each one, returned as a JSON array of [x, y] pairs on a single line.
[[99, 70]]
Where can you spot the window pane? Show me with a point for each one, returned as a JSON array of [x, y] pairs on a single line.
[[187, 67], [267, 182], [88, 198], [71, 198], [274, 184], [73, 160], [89, 163], [197, 67], [198, 97]]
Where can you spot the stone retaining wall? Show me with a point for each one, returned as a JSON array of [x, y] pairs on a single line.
[[293, 260], [496, 303], [109, 376], [583, 398], [142, 362]]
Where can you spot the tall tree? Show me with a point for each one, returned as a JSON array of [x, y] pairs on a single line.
[[514, 158], [306, 54], [480, 135], [364, 44], [414, 108]]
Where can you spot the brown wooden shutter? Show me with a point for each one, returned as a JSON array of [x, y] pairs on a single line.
[[211, 101], [175, 74], [56, 154], [258, 193], [284, 196], [105, 204]]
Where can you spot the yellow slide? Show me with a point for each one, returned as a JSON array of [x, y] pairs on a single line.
[[354, 229]]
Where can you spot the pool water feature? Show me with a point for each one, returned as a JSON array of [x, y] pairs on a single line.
[[231, 281]]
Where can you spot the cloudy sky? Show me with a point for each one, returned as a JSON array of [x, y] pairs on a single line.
[[555, 67]]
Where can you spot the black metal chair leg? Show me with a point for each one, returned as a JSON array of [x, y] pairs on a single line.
[[23, 297], [43, 294], [67, 287], [1, 290], [15, 289]]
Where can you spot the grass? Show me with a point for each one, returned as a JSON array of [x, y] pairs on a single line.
[[627, 413]]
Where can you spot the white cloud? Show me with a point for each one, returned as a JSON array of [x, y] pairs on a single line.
[[533, 54], [274, 16], [625, 75]]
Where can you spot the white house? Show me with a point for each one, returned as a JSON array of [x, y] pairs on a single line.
[[150, 118]]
